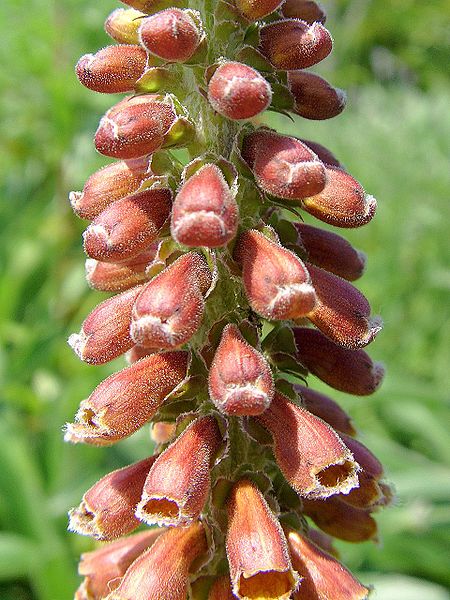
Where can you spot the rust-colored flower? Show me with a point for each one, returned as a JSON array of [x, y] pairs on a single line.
[[107, 509], [177, 486], [312, 457], [256, 547], [103, 568], [162, 571], [123, 402], [323, 576], [240, 379], [276, 281]]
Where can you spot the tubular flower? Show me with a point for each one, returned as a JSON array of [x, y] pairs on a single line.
[[214, 297]]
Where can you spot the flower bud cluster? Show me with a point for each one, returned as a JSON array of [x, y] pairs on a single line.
[[216, 298]]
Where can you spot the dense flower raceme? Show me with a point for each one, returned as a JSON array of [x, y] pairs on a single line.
[[222, 306]]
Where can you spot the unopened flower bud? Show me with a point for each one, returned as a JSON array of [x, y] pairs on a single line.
[[169, 309], [323, 541], [116, 277], [123, 24], [342, 202], [113, 69], [107, 509], [237, 91], [323, 576], [293, 44], [115, 181], [126, 400], [103, 567], [134, 127], [283, 166], [205, 212], [257, 9], [324, 154], [162, 432], [171, 34], [137, 352], [221, 589], [240, 379], [328, 410], [256, 547], [314, 97], [369, 493], [162, 572], [276, 281], [341, 520], [351, 371], [128, 226], [331, 252], [312, 457], [342, 313], [105, 333], [307, 10], [177, 487]]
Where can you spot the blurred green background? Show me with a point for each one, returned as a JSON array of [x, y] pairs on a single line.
[[392, 58]]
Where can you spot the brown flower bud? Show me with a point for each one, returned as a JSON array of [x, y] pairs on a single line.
[[314, 97], [340, 520], [307, 10], [171, 34], [325, 155], [103, 567], [117, 277], [126, 400], [240, 379], [293, 44], [115, 181], [105, 334], [107, 509], [276, 281], [205, 212], [221, 589], [369, 493], [283, 166], [128, 226], [162, 432], [177, 486], [342, 202], [123, 24], [323, 576], [169, 309], [351, 371], [162, 572], [331, 252], [328, 410], [113, 69], [342, 313], [237, 91], [134, 127], [256, 9], [312, 457], [256, 547], [137, 352], [323, 540]]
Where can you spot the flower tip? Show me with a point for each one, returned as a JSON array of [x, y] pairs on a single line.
[[77, 341], [374, 326], [75, 200], [84, 522]]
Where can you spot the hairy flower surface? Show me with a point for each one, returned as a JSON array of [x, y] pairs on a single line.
[[222, 308]]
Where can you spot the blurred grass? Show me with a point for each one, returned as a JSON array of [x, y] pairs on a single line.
[[393, 138]]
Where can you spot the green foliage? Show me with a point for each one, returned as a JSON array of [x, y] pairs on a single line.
[[393, 140]]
